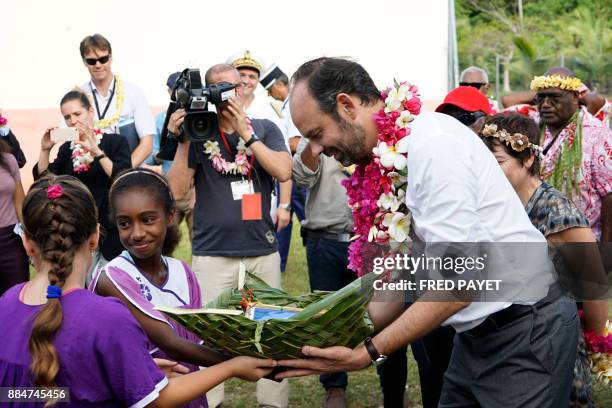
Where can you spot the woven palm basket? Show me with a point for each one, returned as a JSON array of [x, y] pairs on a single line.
[[327, 319]]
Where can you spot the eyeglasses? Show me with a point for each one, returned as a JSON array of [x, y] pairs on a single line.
[[555, 99], [469, 118], [476, 85], [92, 61]]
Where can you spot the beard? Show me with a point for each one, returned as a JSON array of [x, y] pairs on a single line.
[[351, 148]]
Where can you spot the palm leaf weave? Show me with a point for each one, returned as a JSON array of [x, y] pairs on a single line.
[[328, 319]]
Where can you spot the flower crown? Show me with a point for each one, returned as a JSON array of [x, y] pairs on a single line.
[[555, 81], [517, 141]]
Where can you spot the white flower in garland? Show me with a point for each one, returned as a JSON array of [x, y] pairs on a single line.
[[390, 201], [396, 97], [393, 156], [404, 119], [398, 225]]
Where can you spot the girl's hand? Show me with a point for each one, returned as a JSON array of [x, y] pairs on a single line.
[[170, 368], [46, 143], [251, 368], [88, 139]]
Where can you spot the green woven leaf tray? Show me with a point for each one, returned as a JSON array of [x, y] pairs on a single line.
[[327, 319]]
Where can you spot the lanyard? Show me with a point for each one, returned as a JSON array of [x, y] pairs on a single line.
[[100, 117], [229, 150]]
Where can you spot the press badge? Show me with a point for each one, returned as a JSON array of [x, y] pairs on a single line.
[[242, 187]]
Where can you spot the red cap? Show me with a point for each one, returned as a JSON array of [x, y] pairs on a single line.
[[467, 98]]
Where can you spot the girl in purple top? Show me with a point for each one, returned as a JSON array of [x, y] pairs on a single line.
[[56, 334], [145, 276]]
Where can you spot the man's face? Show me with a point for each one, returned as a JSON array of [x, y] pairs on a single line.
[[473, 120], [278, 91], [556, 106], [229, 77], [250, 79], [102, 60], [341, 138], [477, 80]]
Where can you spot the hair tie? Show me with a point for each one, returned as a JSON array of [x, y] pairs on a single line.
[[54, 191], [54, 292]]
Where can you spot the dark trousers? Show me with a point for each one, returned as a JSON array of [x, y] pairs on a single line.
[[298, 200], [14, 266], [526, 363], [432, 354], [327, 270]]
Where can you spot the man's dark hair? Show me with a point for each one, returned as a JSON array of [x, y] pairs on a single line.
[[94, 41], [283, 79], [515, 123], [327, 77]]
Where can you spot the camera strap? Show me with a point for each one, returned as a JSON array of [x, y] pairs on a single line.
[[93, 93]]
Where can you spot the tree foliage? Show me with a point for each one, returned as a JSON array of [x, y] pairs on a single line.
[[530, 36]]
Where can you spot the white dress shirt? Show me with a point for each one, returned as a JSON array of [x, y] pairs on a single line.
[[457, 192], [135, 108]]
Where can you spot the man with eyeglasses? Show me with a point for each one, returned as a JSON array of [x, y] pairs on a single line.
[[582, 171], [121, 107], [467, 105], [476, 78]]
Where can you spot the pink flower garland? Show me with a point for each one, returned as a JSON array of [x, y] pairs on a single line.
[[370, 181]]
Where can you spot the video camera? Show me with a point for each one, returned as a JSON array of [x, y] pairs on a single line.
[[200, 124]]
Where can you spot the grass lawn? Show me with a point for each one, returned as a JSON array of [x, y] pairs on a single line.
[[363, 389]]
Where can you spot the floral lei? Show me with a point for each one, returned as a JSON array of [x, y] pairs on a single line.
[[110, 121], [81, 156], [599, 349], [240, 165], [376, 191]]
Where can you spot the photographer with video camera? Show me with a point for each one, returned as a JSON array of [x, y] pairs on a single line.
[[232, 160]]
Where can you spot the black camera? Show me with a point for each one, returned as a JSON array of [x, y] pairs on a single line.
[[200, 124]]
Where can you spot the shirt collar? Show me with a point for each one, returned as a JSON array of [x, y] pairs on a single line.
[[95, 89]]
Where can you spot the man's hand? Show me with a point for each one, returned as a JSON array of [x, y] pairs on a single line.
[[282, 217], [176, 120], [238, 118], [327, 360]]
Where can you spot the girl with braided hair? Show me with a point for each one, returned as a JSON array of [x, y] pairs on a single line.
[[54, 331]]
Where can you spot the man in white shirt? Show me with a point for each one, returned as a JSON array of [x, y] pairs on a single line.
[[121, 107], [457, 194]]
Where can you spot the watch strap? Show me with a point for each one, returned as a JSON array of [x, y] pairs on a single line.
[[374, 354], [252, 140]]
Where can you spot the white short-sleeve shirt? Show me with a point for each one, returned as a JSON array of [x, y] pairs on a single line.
[[135, 108], [457, 192]]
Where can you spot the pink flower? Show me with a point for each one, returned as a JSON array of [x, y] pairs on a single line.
[[3, 121], [54, 191], [413, 106]]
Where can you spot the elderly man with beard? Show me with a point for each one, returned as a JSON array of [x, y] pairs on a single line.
[[456, 193]]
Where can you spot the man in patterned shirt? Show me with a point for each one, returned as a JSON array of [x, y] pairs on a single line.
[[583, 172]]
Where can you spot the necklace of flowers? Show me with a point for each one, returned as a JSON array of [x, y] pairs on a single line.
[[376, 191], [565, 167], [240, 165], [114, 118], [81, 155]]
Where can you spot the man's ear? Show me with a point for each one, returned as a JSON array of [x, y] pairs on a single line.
[[347, 106]]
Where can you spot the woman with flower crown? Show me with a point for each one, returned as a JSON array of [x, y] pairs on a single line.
[[95, 159], [513, 138]]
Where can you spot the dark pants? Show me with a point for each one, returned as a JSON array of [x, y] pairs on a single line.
[[526, 363], [14, 266], [298, 199], [432, 354], [327, 270]]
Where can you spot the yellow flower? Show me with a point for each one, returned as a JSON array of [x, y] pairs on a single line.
[[555, 81], [108, 122]]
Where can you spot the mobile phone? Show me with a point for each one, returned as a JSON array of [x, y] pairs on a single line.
[[70, 134]]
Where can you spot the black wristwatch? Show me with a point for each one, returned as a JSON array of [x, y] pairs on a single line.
[[377, 358], [100, 156], [252, 140]]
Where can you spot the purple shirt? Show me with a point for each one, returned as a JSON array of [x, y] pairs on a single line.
[[8, 177], [103, 352]]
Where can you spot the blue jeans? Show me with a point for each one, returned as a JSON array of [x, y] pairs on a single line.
[[298, 199], [327, 270]]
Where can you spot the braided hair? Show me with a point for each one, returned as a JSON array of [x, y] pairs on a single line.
[[157, 187], [58, 226]]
